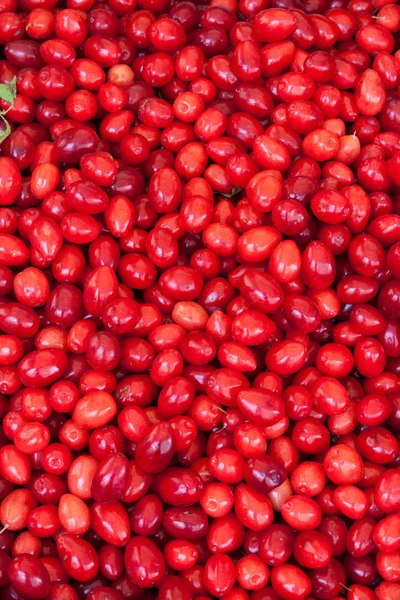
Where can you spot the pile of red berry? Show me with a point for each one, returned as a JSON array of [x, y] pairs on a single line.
[[199, 300]]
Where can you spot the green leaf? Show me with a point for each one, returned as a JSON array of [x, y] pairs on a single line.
[[6, 132], [235, 190], [8, 91]]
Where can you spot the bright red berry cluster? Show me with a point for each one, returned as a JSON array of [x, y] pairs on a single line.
[[200, 300]]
